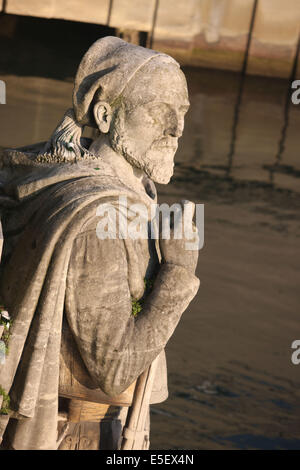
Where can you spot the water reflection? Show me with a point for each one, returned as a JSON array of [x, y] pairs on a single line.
[[36, 104], [38, 60]]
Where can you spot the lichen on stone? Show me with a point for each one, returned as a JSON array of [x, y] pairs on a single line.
[[4, 410], [6, 322], [137, 304], [136, 307]]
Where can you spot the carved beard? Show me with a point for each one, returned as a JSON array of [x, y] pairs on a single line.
[[157, 162]]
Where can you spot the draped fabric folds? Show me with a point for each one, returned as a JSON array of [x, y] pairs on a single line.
[[33, 290]]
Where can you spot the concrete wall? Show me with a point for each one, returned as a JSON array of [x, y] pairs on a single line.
[[211, 33], [90, 11], [216, 35]]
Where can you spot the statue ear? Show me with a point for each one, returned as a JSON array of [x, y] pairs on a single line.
[[102, 115]]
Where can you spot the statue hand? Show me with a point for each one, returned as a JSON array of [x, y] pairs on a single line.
[[177, 251]]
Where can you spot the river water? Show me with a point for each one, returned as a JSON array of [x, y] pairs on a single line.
[[231, 381]]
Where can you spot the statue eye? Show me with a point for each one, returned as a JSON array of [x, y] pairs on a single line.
[[158, 109]]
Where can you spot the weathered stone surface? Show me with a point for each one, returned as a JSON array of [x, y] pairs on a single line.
[[31, 7], [275, 37], [136, 14], [215, 35], [91, 11], [72, 375], [182, 22]]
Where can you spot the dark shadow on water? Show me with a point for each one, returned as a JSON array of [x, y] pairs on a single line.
[[282, 404], [229, 190], [248, 441]]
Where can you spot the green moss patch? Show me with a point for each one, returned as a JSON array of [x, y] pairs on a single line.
[[137, 304], [4, 410]]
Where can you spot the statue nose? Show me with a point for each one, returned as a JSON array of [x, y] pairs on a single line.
[[176, 132], [176, 127]]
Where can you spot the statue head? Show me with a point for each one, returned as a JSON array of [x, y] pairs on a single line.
[[136, 97]]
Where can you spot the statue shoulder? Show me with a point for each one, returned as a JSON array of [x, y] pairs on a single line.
[[20, 156]]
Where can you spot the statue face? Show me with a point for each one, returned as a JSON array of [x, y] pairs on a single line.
[[148, 125]]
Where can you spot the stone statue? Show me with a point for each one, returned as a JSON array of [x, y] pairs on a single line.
[[75, 347]]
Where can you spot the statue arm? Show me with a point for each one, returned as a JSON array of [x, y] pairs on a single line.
[[115, 346]]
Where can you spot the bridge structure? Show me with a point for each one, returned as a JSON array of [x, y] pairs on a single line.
[[209, 33]]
